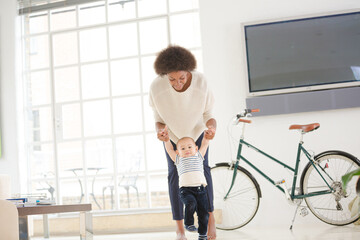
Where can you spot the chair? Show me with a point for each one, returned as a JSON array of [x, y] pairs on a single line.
[[48, 187], [9, 221], [130, 181], [127, 181]]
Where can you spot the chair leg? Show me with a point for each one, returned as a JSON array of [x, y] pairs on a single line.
[[96, 202], [112, 197], [137, 194], [104, 188], [128, 196]]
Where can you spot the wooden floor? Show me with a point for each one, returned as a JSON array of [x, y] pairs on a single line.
[[317, 232]]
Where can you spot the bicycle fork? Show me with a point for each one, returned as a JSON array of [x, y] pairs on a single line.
[[233, 177], [235, 166]]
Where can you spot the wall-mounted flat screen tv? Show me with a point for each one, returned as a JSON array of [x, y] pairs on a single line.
[[303, 54]]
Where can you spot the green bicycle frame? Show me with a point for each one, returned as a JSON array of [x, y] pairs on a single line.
[[295, 171]]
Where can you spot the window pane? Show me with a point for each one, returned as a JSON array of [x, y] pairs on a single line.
[[151, 7], [130, 159], [147, 72], [123, 40], [188, 23], [96, 186], [93, 45], [95, 80], [96, 118], [199, 60], [66, 84], [176, 5], [45, 186], [155, 153], [153, 36], [65, 49], [71, 121], [39, 92], [63, 18], [38, 23], [41, 124], [38, 51], [93, 13], [70, 157], [159, 191], [148, 115], [99, 154], [72, 191], [104, 192], [42, 160], [125, 77], [120, 10], [127, 115], [130, 153], [135, 185]]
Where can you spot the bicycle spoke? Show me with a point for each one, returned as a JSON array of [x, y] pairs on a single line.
[[328, 209], [240, 192]]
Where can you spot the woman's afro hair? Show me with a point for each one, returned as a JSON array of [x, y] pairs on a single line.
[[173, 59]]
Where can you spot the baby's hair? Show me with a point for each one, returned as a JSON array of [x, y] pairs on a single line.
[[183, 139]]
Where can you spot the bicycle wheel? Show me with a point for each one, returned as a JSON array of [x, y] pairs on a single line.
[[334, 208], [242, 203]]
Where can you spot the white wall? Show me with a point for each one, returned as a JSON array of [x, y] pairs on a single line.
[[224, 67], [9, 160]]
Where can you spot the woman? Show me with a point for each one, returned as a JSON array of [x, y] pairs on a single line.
[[182, 105]]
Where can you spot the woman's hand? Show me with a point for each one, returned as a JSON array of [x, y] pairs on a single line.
[[163, 134], [210, 133]]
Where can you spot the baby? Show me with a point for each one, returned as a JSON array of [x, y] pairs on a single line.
[[189, 162]]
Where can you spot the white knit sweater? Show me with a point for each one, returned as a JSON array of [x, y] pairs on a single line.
[[185, 113]]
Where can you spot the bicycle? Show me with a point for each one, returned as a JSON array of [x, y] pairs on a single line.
[[237, 193]]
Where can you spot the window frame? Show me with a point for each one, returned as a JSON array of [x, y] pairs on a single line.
[[56, 106]]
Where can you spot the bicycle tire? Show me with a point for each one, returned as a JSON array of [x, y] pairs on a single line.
[[243, 201], [325, 207]]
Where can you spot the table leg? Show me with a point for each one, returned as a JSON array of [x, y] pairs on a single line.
[[46, 226], [86, 227], [23, 228]]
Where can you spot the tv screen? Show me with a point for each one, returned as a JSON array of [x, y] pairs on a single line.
[[303, 54]]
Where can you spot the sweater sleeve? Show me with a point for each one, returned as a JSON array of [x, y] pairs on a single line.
[[209, 105]]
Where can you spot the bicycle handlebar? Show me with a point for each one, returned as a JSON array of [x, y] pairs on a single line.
[[247, 112], [244, 120]]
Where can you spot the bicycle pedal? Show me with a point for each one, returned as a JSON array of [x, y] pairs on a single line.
[[304, 211], [280, 182]]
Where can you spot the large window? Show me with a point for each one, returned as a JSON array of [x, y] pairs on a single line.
[[87, 71]]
